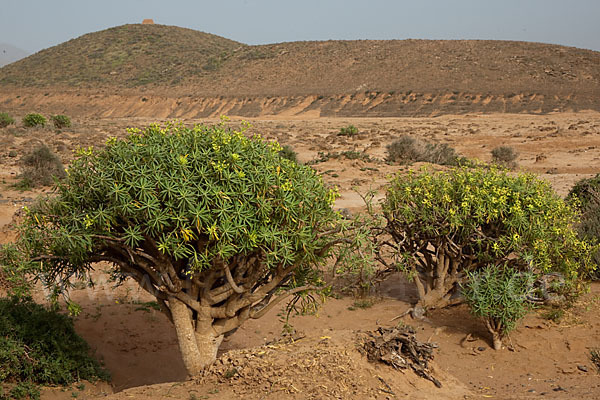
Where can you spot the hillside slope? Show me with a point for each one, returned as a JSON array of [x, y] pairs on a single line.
[[123, 56], [188, 73]]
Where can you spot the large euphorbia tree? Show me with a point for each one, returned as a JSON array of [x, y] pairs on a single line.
[[217, 226]]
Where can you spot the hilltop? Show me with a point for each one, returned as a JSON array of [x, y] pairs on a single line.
[[123, 56], [180, 70]]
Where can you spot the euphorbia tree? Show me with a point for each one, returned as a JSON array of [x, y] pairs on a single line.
[[217, 226], [500, 296], [444, 224]]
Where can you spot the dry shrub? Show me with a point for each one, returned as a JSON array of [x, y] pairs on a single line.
[[408, 149], [505, 156], [61, 121], [39, 167]]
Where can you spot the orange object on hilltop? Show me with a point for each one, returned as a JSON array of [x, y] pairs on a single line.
[[148, 21]]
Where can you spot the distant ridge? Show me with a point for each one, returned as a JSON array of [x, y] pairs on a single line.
[[366, 77]]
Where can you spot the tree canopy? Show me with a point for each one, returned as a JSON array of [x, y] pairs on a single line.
[[214, 224]]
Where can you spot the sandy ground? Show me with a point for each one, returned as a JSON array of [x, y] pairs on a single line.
[[544, 358]]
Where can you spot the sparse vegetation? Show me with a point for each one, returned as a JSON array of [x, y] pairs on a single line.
[[39, 167], [40, 347], [349, 130], [6, 119], [127, 56], [554, 314], [362, 303], [347, 154], [408, 149], [33, 119], [505, 156], [61, 121]]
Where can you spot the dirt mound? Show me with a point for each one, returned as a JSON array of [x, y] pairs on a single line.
[[316, 367], [182, 73]]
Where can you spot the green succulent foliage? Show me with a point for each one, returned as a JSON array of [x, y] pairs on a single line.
[[493, 217], [499, 294], [586, 195], [200, 194], [349, 130], [6, 119], [40, 346], [32, 119], [585, 190], [61, 121]]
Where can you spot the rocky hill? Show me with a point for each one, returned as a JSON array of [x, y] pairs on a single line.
[[183, 72]]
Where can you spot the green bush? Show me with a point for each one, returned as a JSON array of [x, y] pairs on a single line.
[[61, 121], [39, 346], [587, 195], [445, 224], [408, 149], [6, 120], [585, 190], [33, 119], [288, 152], [219, 227], [39, 168], [498, 295], [505, 156], [349, 130]]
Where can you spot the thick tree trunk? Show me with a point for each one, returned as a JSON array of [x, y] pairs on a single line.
[[497, 341], [436, 297], [208, 346], [198, 350], [436, 284], [495, 328]]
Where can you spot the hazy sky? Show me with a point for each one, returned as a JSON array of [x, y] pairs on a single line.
[[34, 25]]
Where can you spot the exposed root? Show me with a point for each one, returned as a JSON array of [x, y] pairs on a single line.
[[400, 349]]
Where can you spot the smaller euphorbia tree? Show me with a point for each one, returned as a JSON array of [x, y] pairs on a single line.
[[217, 226], [500, 296], [586, 195], [442, 225]]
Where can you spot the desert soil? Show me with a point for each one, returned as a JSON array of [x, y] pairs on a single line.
[[543, 359]]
